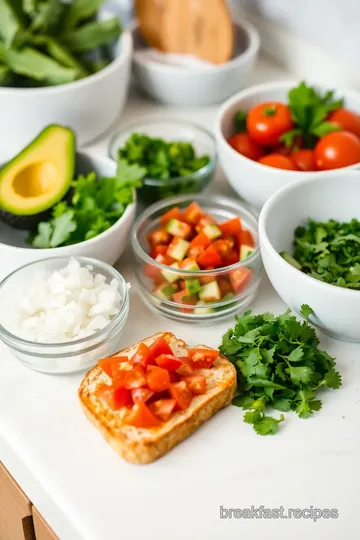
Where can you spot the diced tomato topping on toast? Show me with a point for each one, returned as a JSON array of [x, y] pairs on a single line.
[[163, 408], [181, 394], [196, 384], [141, 416], [202, 358]]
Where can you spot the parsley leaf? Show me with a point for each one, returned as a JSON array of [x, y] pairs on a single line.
[[279, 364]]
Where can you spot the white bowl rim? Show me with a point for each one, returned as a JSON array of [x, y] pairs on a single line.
[[125, 53], [61, 251], [275, 85], [251, 51], [264, 239]]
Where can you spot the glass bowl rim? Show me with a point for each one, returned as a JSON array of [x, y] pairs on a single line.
[[83, 341], [171, 201], [159, 182]]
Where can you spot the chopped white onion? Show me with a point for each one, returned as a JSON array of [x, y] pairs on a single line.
[[63, 305]]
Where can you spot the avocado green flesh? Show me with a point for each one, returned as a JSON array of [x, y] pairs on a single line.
[[39, 176]]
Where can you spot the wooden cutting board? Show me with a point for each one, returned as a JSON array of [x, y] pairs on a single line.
[[202, 28]]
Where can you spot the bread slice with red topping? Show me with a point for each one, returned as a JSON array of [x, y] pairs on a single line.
[[144, 445]]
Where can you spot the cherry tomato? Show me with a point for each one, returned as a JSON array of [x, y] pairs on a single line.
[[348, 120], [287, 150], [266, 122], [168, 362], [163, 408], [202, 358], [278, 161], [196, 384], [181, 394], [336, 150], [245, 145], [140, 416], [304, 160], [157, 378]]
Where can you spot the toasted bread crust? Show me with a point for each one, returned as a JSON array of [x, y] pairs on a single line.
[[146, 445]]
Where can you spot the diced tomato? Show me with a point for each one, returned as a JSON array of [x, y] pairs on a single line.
[[195, 251], [232, 258], [135, 378], [142, 355], [232, 227], [158, 236], [186, 368], [210, 257], [115, 398], [174, 377], [174, 213], [223, 247], [182, 395], [224, 286], [207, 279], [205, 220], [196, 383], [168, 361], [192, 213], [106, 363], [163, 408], [119, 371], [182, 284], [140, 416], [246, 238], [200, 240], [240, 278], [202, 358], [183, 297], [160, 346], [160, 249], [153, 272], [157, 378], [140, 395]]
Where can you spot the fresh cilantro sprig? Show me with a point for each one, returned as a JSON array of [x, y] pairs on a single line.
[[309, 111], [329, 252], [278, 364], [95, 205]]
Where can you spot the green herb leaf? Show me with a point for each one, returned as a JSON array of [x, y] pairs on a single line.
[[240, 121], [268, 425], [92, 35], [80, 10]]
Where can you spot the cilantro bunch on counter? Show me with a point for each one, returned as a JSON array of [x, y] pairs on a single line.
[[162, 159], [95, 204], [278, 364], [329, 252]]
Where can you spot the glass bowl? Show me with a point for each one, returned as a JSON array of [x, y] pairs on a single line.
[[203, 141], [71, 356], [149, 273]]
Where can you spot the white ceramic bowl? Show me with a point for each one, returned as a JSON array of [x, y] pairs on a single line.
[[89, 106], [199, 87], [254, 182], [107, 247], [336, 309]]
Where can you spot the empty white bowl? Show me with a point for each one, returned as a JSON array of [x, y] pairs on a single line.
[[197, 86], [89, 106], [107, 247], [336, 309], [255, 182]]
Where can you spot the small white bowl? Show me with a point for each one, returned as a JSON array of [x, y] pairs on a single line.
[[255, 182], [107, 247], [336, 309], [89, 106], [199, 87]]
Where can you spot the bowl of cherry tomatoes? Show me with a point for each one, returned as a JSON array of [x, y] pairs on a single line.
[[273, 134]]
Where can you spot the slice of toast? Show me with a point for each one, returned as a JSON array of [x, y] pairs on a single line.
[[140, 445]]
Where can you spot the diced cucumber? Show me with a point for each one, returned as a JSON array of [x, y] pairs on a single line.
[[165, 291], [190, 264], [178, 228], [178, 249], [245, 252], [226, 297], [212, 231], [202, 309], [290, 259], [210, 292], [193, 286], [171, 276]]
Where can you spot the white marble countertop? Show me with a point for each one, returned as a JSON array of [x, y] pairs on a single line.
[[86, 492]]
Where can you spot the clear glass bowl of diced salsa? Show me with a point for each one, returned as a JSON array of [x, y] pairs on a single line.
[[197, 257]]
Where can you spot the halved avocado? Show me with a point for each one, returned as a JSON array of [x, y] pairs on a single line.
[[38, 177]]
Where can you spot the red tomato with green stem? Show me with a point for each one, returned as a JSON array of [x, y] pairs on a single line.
[[304, 159], [337, 149], [266, 122], [278, 161], [348, 120], [245, 145]]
